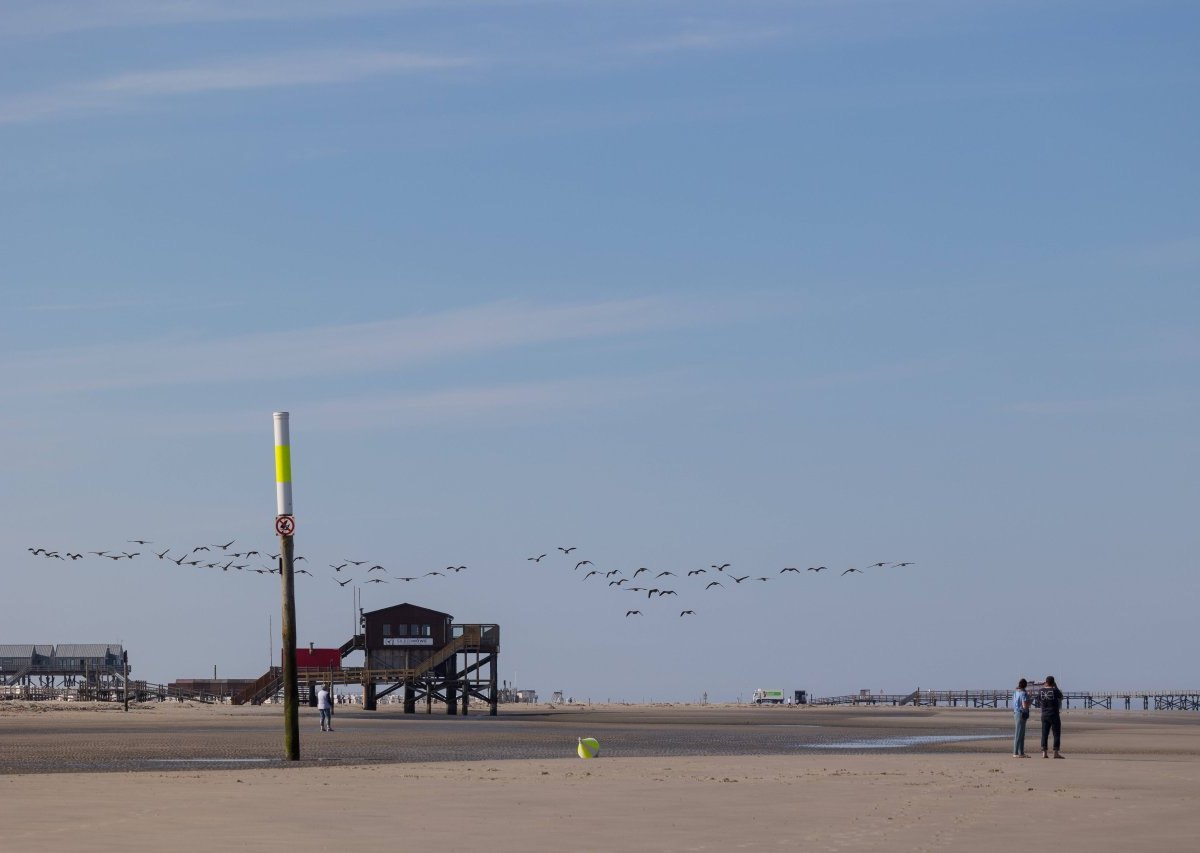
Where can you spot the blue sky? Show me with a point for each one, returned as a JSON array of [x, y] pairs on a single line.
[[679, 284]]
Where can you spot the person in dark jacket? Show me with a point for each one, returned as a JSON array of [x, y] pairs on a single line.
[[1050, 701]]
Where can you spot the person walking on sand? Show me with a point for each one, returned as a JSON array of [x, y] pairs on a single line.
[[325, 707], [1050, 701], [1020, 706]]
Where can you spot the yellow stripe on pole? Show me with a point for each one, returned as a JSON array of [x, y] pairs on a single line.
[[283, 464]]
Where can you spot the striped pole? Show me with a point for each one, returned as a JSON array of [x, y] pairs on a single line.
[[283, 465], [284, 526]]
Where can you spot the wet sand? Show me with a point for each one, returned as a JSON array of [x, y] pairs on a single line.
[[669, 778]]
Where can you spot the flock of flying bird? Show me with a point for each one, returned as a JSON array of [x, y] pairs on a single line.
[[617, 579], [221, 557]]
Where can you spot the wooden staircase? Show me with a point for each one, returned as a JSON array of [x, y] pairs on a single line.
[[267, 685]]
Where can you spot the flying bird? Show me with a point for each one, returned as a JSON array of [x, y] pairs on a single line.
[[162, 555], [817, 568], [140, 541], [338, 568], [715, 583], [739, 580], [639, 571], [903, 564], [567, 550], [698, 572], [613, 572], [226, 546], [335, 580], [664, 574], [589, 574], [351, 562], [618, 583], [376, 580], [851, 569], [580, 563], [538, 559], [789, 569], [876, 565], [721, 567], [687, 613], [376, 568], [633, 613]]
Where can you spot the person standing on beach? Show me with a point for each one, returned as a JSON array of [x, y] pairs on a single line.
[[1050, 700], [325, 707], [1020, 706]]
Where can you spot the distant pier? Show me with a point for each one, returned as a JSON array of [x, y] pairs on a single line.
[[1146, 700]]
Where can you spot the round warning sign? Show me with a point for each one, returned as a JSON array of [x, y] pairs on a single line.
[[285, 525]]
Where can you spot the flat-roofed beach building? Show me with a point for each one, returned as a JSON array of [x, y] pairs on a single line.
[[67, 666]]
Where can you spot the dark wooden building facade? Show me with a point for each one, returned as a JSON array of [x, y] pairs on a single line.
[[423, 653], [407, 648]]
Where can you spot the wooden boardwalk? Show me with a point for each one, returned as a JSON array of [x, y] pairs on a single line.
[[1146, 700]]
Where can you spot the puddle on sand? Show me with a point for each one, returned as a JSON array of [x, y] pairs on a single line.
[[210, 761], [897, 742]]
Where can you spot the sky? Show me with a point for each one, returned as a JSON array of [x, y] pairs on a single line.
[[766, 283]]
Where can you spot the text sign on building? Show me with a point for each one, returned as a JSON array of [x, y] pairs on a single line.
[[408, 641]]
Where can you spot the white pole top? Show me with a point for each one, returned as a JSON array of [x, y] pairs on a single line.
[[283, 465]]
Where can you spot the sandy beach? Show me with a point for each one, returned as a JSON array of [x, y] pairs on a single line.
[[1131, 780]]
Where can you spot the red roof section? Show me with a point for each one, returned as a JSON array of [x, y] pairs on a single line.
[[318, 659]]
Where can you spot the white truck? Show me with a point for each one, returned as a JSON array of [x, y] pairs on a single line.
[[764, 696]]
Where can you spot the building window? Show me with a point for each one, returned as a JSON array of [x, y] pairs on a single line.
[[387, 630], [426, 631], [402, 630]]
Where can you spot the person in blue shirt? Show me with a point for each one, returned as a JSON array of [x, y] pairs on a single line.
[[1020, 706]]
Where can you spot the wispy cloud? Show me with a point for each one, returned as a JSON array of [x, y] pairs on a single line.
[[48, 17], [1179, 254], [502, 404], [67, 307], [706, 36], [363, 348], [1070, 407], [126, 91]]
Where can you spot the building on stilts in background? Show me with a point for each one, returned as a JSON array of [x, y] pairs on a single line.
[[410, 649]]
